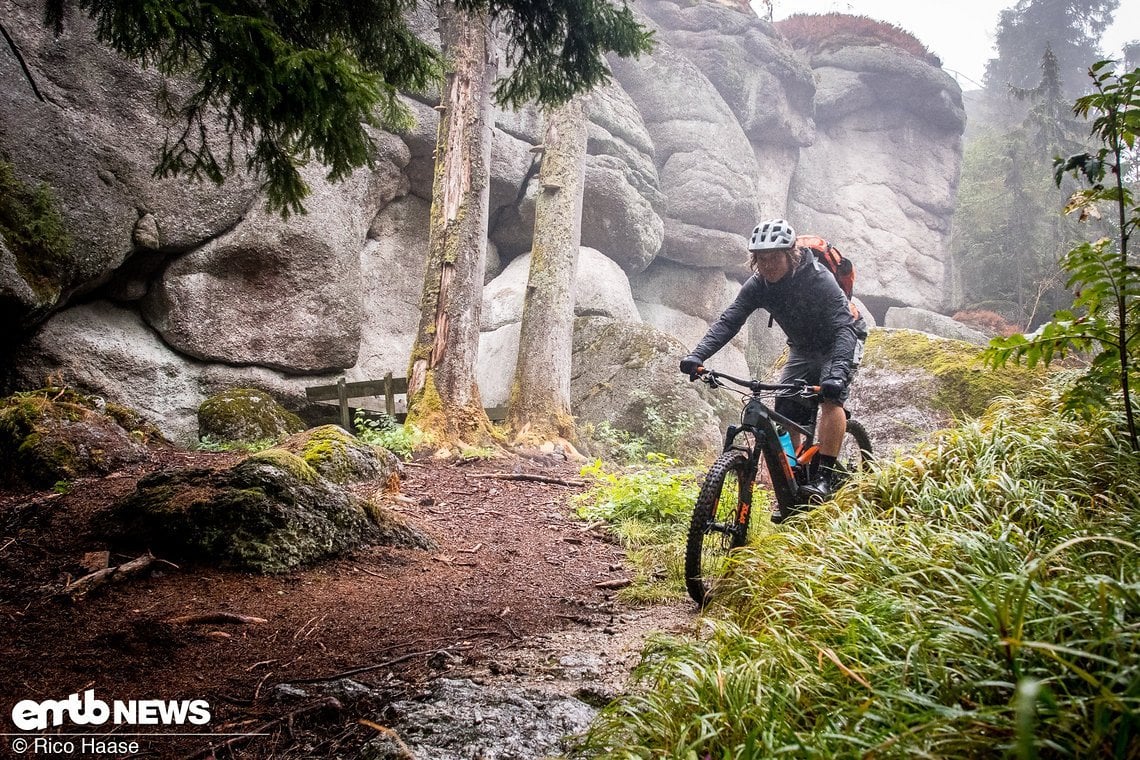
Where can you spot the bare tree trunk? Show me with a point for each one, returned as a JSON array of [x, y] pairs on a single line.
[[442, 389], [539, 407]]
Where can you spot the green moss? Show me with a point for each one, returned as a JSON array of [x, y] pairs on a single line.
[[287, 461], [965, 385], [35, 232], [245, 415], [133, 422], [327, 452]]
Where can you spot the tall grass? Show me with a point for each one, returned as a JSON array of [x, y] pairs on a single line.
[[979, 599]]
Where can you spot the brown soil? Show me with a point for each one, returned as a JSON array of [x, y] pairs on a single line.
[[513, 567]]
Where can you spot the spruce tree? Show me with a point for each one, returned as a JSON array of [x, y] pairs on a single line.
[[301, 80]]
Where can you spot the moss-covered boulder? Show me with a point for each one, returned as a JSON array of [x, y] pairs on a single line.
[[912, 383], [344, 458], [245, 415], [58, 434], [270, 513]]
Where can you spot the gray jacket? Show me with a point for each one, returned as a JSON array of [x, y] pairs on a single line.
[[809, 307]]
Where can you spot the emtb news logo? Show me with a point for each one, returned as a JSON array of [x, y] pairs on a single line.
[[30, 715]]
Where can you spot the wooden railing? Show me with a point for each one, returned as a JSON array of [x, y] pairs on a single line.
[[387, 388]]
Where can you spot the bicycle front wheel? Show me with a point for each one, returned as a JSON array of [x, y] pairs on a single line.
[[719, 524]]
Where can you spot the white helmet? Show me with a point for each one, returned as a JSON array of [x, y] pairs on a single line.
[[772, 235]]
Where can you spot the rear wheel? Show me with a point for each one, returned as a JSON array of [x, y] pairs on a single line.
[[855, 451], [717, 526]]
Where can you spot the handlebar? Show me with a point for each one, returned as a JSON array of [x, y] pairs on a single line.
[[714, 378]]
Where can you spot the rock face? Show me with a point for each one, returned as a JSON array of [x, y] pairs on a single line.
[[882, 173], [173, 290]]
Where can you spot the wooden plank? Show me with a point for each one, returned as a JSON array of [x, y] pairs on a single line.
[[342, 401], [390, 394], [361, 389]]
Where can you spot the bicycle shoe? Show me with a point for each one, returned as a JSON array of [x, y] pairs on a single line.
[[818, 491], [779, 515]]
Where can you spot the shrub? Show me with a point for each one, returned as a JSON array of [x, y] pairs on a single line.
[[989, 322], [817, 32], [647, 508]]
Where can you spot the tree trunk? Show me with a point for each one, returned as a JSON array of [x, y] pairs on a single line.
[[443, 394], [539, 407]]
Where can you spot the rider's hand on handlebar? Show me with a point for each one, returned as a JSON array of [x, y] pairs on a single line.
[[693, 366]]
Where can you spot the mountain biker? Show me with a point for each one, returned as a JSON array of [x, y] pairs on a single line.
[[825, 339]]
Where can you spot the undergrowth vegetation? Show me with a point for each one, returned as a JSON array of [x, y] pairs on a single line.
[[382, 430], [647, 508], [977, 599], [823, 31]]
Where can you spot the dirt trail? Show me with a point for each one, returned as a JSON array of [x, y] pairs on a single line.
[[510, 595]]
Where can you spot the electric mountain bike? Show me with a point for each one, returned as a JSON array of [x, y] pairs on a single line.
[[761, 442]]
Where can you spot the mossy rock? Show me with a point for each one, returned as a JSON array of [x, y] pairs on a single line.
[[270, 513], [245, 415], [344, 458], [962, 383], [58, 434], [912, 384]]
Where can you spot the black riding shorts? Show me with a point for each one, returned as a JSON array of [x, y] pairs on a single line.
[[811, 367]]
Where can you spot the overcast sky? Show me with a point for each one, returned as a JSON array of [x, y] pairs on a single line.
[[960, 32]]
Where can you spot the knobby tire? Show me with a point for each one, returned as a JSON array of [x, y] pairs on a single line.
[[858, 434], [706, 549]]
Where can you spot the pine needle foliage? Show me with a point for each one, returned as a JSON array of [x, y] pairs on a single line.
[[300, 80], [977, 599]]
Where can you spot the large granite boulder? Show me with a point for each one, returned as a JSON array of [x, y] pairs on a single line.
[[909, 318], [621, 194], [625, 374], [83, 121], [392, 267], [280, 293], [107, 349], [767, 85], [881, 177], [600, 290], [705, 162]]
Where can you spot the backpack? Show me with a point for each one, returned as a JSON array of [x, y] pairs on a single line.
[[828, 255]]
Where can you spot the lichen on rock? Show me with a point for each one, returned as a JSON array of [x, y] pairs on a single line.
[[343, 458], [245, 415], [270, 513], [58, 434]]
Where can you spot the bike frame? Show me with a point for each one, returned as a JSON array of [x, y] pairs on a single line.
[[760, 420]]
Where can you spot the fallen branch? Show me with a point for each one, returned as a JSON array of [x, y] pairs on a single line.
[[216, 618], [92, 581], [377, 666], [211, 751], [616, 583], [532, 478]]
